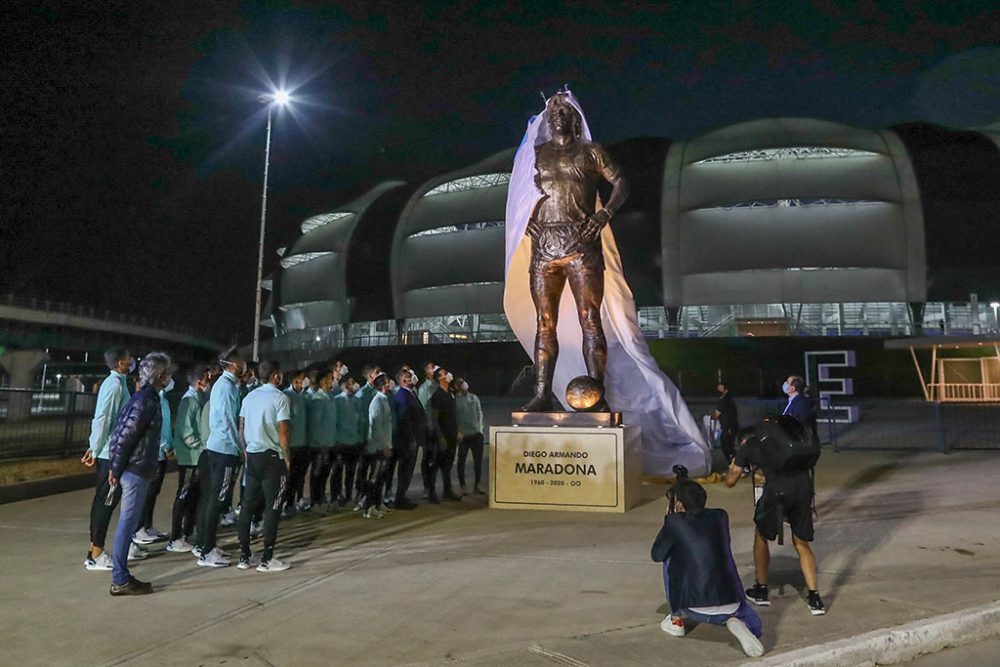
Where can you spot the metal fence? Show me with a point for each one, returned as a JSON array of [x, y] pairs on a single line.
[[50, 423], [887, 423], [44, 423]]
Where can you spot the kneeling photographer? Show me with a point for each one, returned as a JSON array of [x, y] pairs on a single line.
[[699, 573], [785, 450]]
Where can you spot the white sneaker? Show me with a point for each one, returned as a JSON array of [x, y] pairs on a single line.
[[751, 645], [135, 552], [196, 552], [303, 505], [214, 558], [255, 528], [273, 565], [156, 533], [179, 546], [228, 519], [673, 626], [101, 563], [247, 563], [143, 536], [385, 509], [372, 513]]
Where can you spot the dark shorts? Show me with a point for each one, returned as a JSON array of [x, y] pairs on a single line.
[[792, 495], [559, 246]]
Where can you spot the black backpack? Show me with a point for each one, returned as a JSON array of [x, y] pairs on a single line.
[[786, 445]]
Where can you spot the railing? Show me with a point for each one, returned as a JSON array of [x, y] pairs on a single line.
[[964, 392], [49, 423], [37, 424]]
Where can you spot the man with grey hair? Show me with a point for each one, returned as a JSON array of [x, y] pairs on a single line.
[[134, 449]]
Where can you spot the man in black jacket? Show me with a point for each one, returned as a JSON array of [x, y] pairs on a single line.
[[699, 573], [411, 431], [444, 422], [729, 421], [134, 450]]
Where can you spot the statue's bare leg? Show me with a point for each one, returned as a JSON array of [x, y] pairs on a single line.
[[547, 283], [587, 285]]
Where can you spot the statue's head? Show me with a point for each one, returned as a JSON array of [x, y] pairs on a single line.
[[562, 116]]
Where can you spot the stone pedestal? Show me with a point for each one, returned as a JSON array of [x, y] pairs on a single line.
[[567, 468]]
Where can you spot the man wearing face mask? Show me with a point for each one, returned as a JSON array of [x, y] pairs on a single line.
[[786, 494], [321, 413], [444, 418], [134, 447], [378, 448], [352, 424], [204, 464], [224, 453], [264, 429], [391, 466], [188, 450], [429, 460], [298, 444], [470, 434], [729, 421], [365, 394], [797, 405], [146, 533], [411, 431], [111, 397]]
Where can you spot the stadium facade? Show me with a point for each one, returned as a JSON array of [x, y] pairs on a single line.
[[782, 226]]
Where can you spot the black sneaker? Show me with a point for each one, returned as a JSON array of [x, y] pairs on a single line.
[[815, 603], [758, 595]]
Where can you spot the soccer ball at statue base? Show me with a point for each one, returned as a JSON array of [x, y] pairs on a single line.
[[585, 394]]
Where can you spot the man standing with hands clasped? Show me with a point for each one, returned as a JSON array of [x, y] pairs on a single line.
[[134, 449], [264, 429]]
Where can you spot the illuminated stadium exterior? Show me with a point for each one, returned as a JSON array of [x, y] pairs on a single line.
[[771, 227]]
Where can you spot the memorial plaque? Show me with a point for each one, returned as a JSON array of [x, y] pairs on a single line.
[[565, 468]]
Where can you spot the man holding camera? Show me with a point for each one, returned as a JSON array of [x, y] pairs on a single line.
[[787, 493], [699, 573]]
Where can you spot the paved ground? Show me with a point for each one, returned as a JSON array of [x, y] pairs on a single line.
[[981, 653], [900, 538]]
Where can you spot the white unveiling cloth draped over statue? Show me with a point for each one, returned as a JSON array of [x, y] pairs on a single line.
[[634, 384]]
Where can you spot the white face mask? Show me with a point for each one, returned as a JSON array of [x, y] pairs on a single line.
[[464, 386], [169, 387], [413, 377], [344, 371], [305, 383], [448, 377], [131, 366]]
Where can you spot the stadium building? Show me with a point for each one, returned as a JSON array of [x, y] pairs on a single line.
[[775, 227]]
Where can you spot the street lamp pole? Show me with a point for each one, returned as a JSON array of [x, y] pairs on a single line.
[[269, 100]]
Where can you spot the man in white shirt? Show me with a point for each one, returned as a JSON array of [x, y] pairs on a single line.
[[264, 430]]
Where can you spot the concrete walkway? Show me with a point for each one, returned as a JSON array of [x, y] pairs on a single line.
[[900, 538]]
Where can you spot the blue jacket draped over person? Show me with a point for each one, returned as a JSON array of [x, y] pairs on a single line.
[[699, 573]]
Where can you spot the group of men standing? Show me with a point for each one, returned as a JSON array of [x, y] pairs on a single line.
[[267, 431]]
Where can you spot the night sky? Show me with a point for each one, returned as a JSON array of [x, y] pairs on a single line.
[[133, 142]]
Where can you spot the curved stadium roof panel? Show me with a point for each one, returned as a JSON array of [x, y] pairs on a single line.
[[313, 286], [786, 210], [448, 248], [748, 206]]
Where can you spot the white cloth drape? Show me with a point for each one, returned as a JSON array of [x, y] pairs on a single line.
[[634, 383]]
